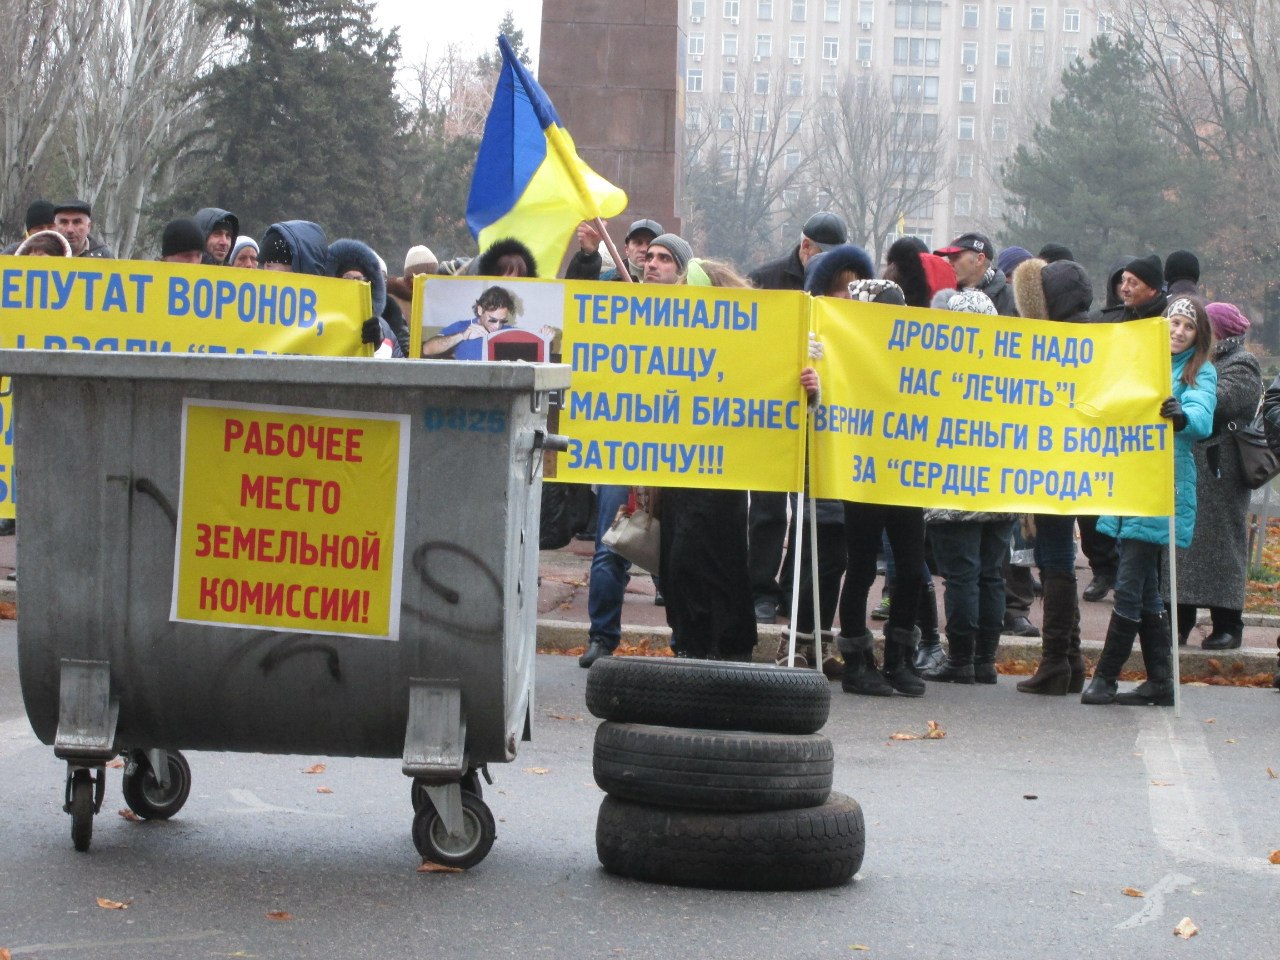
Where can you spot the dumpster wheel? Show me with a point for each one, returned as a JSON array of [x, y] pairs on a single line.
[[80, 804], [434, 843], [146, 795]]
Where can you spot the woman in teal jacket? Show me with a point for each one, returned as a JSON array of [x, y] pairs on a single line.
[[1139, 605]]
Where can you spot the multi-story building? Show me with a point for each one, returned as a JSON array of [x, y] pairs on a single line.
[[967, 79]]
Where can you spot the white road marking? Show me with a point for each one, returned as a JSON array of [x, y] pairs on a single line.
[[101, 947], [1153, 903], [250, 802]]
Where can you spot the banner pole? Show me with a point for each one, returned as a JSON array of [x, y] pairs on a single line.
[[797, 552], [1175, 655], [623, 269]]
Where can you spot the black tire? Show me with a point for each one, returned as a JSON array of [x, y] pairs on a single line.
[[780, 850], [712, 769], [708, 694], [143, 792], [81, 810], [433, 840]]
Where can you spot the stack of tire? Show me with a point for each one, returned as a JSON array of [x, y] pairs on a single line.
[[716, 776]]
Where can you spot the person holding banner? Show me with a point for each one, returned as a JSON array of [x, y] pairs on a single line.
[[1139, 607]]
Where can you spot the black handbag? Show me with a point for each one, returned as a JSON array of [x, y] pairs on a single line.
[[1258, 463]]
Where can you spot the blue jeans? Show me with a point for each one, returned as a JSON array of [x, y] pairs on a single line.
[[969, 556], [1138, 579], [1055, 543], [610, 573]]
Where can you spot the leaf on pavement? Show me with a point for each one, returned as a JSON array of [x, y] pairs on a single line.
[[5, 954], [858, 946], [1212, 720], [323, 790], [935, 731], [1271, 773], [129, 815], [1275, 857], [280, 915], [904, 735], [1214, 665], [429, 867], [538, 770], [1185, 929], [8, 611], [1132, 892], [106, 904], [563, 716], [315, 768]]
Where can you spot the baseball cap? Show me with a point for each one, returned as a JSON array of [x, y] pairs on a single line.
[[826, 229], [653, 226], [968, 241]]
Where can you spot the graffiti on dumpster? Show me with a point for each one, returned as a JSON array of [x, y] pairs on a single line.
[[291, 519]]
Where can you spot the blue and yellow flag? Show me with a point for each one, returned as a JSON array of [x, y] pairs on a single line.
[[529, 181]]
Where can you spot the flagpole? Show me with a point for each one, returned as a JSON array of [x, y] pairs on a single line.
[[623, 269]]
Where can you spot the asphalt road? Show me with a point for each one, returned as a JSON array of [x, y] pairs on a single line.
[[1014, 836]]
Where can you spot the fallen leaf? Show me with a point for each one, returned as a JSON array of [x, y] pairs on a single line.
[[5, 954], [279, 915], [1131, 892], [1232, 740], [323, 790], [858, 946], [1275, 857], [1212, 720], [1214, 665], [115, 764], [429, 867], [935, 731], [1161, 783], [8, 611], [1237, 667], [538, 770], [106, 904], [1079, 893], [1271, 773], [563, 716], [904, 735], [1185, 929], [130, 815], [315, 768]]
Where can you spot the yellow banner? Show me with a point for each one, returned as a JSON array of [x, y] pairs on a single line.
[[50, 303], [291, 519], [935, 409], [684, 386]]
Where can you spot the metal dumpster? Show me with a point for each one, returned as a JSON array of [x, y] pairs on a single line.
[[108, 664]]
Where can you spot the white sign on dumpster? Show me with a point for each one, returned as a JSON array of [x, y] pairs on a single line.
[[291, 519]]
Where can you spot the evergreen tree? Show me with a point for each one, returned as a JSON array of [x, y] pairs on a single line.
[[1100, 176], [305, 124]]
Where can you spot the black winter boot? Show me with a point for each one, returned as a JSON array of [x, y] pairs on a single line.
[[984, 659], [929, 652], [957, 665], [1115, 651], [860, 673], [899, 654], [1061, 613], [1157, 657]]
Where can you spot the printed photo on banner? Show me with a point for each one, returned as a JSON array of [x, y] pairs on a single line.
[[291, 519], [492, 318]]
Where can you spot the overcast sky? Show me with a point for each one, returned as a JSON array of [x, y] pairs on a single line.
[[431, 27]]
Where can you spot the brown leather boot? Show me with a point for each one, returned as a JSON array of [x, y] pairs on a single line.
[[1061, 614]]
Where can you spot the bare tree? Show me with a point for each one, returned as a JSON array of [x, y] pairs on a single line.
[[879, 158], [40, 73]]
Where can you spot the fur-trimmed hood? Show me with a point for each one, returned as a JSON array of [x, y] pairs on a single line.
[[823, 268], [1052, 291], [345, 254]]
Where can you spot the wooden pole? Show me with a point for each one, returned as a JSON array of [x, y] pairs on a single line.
[[618, 261]]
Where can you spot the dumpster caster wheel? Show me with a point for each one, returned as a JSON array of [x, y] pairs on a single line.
[[146, 795], [81, 809], [418, 792], [434, 843]]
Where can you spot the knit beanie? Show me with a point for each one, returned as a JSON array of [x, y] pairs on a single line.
[[1148, 270], [1053, 252], [1009, 259], [1182, 265], [678, 247], [181, 236], [240, 244], [419, 256], [1226, 320], [275, 249], [39, 214]]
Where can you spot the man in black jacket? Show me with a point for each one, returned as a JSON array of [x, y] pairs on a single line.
[[767, 519]]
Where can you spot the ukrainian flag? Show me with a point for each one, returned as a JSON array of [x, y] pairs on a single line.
[[529, 181]]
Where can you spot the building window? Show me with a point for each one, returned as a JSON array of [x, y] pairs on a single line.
[[829, 85], [798, 10], [1004, 54], [1038, 18], [693, 118], [915, 89], [1106, 23], [918, 14], [698, 8], [1000, 94], [764, 9], [1071, 20], [697, 44], [963, 205], [693, 81], [832, 12], [793, 120], [969, 15], [964, 165], [795, 47], [791, 160], [729, 44], [916, 51], [795, 85], [759, 120], [764, 45], [731, 10], [726, 155], [866, 11], [1004, 18], [1036, 59], [969, 53], [968, 91], [1172, 61], [966, 128], [762, 83], [862, 87], [995, 207], [729, 82], [864, 49], [916, 126], [999, 129], [726, 120], [830, 48], [1070, 54]]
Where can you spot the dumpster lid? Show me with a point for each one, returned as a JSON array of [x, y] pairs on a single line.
[[325, 371]]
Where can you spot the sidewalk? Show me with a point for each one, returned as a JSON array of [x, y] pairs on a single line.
[[563, 622]]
